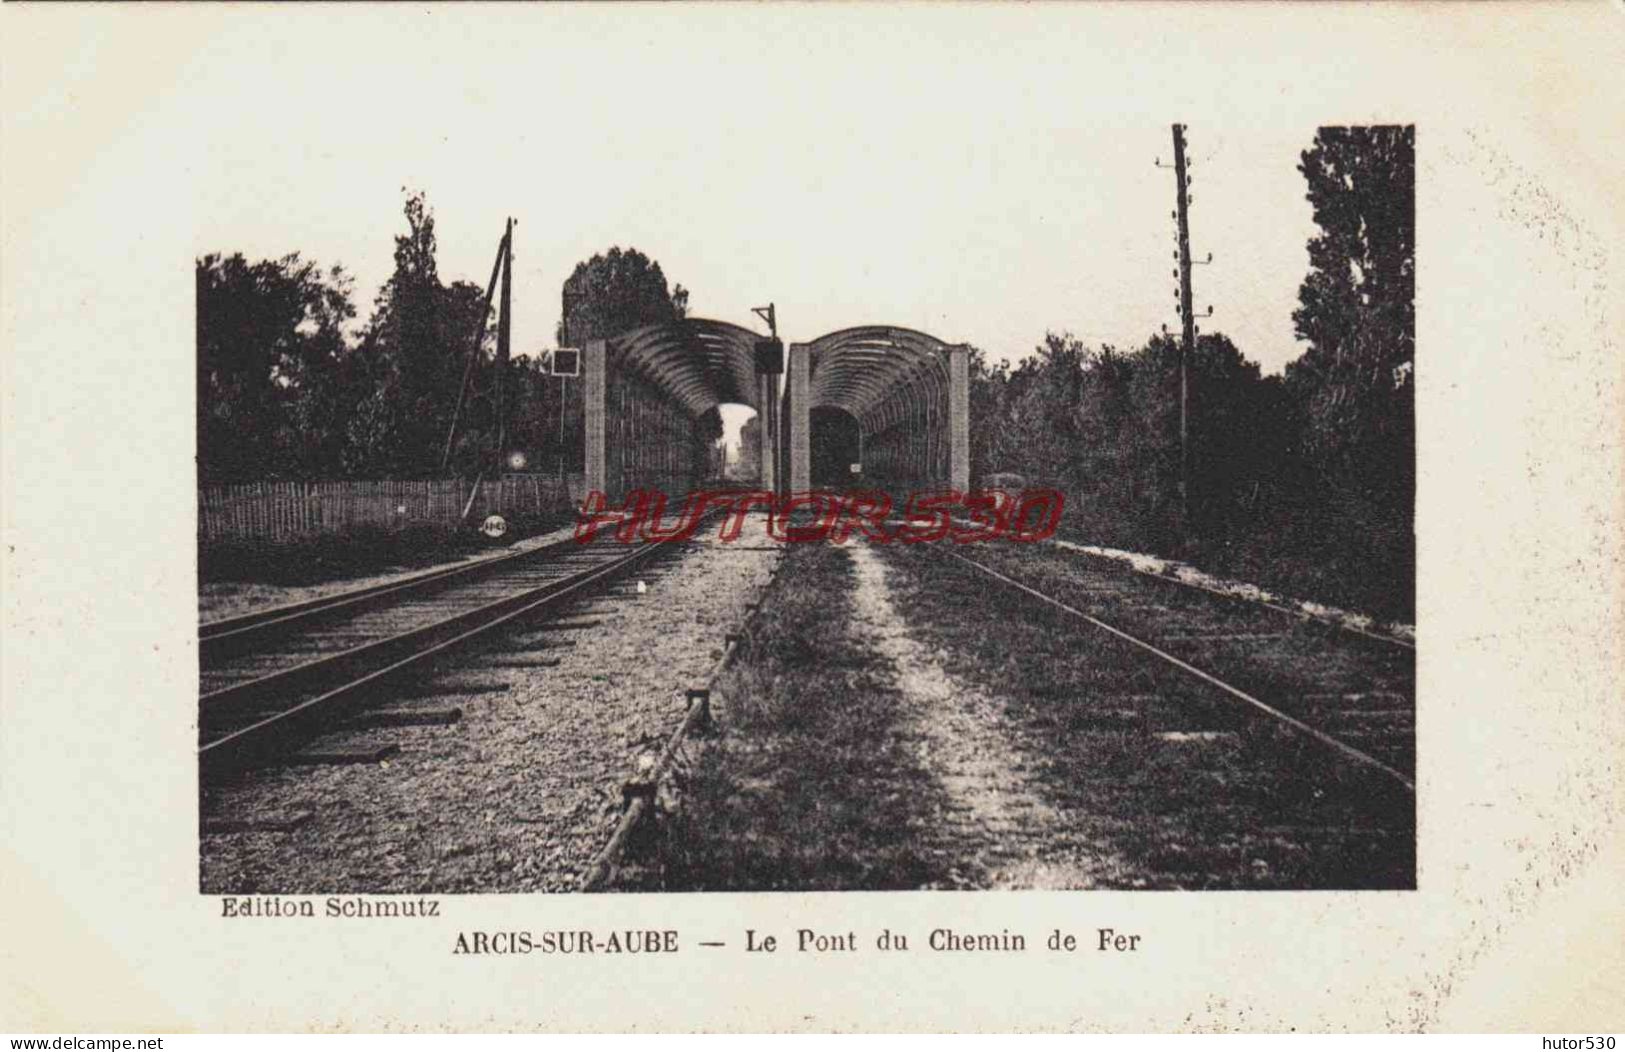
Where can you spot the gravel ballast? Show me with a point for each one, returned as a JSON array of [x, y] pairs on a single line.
[[524, 790]]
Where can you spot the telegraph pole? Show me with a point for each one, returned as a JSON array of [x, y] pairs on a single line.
[[504, 254], [1188, 317], [769, 364], [504, 344], [1187, 314], [770, 315]]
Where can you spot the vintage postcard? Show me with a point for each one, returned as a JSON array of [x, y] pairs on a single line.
[[813, 517]]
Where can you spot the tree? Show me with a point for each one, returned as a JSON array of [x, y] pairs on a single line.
[[615, 292], [1034, 426], [1357, 304], [1103, 426], [414, 351], [269, 342]]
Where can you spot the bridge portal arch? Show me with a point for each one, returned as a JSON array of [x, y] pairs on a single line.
[[908, 391], [652, 393]]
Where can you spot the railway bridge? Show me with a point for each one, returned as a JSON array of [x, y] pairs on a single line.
[[891, 399]]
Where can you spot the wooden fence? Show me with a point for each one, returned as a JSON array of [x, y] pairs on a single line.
[[287, 511]]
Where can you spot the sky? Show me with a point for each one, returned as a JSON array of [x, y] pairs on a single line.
[[982, 176]]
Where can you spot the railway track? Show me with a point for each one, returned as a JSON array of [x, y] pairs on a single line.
[[271, 680], [1362, 705], [1300, 614], [221, 640], [495, 764]]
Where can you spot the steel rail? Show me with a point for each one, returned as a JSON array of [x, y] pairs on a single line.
[[238, 694], [1302, 615], [424, 643], [231, 636], [1344, 748]]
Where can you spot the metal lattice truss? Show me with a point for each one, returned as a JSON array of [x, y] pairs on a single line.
[[703, 363], [882, 375], [895, 382]]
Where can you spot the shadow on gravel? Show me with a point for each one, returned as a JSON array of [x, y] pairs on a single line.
[[1184, 785], [810, 786]]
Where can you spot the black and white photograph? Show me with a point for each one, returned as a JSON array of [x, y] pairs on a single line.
[[616, 583], [618, 478]]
